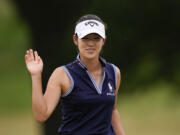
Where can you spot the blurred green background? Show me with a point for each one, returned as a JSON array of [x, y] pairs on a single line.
[[145, 47]]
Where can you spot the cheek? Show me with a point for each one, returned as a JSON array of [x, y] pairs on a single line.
[[100, 45], [80, 46]]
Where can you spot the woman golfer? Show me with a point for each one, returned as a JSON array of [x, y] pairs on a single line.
[[86, 88]]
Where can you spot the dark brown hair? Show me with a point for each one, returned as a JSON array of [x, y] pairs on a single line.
[[91, 17]]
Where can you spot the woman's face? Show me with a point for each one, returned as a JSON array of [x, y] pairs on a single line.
[[89, 46]]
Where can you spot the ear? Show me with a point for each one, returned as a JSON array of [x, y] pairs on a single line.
[[75, 39], [104, 40]]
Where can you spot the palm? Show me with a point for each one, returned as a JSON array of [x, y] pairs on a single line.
[[34, 63]]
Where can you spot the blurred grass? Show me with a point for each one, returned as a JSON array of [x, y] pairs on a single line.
[[19, 124], [156, 111], [14, 39]]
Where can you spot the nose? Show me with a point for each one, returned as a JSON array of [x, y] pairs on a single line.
[[91, 42]]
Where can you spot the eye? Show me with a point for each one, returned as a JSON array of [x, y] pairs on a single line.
[[97, 38], [85, 38]]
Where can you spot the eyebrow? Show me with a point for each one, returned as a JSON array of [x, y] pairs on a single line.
[[92, 36]]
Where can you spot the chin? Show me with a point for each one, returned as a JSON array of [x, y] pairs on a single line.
[[91, 55]]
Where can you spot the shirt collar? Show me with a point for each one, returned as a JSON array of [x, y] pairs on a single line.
[[102, 60]]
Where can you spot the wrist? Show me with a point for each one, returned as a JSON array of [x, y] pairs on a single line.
[[36, 76]]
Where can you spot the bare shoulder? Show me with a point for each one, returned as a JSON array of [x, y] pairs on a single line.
[[118, 72], [56, 76], [58, 73], [63, 78]]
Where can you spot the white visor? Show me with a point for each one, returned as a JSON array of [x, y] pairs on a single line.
[[90, 26]]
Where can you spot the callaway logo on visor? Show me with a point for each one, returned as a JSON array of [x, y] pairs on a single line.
[[90, 26], [91, 23]]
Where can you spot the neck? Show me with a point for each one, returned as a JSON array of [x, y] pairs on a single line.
[[91, 64]]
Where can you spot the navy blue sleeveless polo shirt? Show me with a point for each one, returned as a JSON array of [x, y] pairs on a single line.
[[87, 108]]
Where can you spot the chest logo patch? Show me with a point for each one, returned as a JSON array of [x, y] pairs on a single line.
[[110, 93], [110, 87]]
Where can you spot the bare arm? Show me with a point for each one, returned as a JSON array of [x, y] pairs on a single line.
[[43, 104], [116, 122]]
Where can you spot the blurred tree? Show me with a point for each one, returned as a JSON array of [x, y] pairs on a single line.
[[142, 39], [49, 22]]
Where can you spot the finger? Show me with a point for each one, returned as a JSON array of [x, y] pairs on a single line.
[[27, 55], [36, 55], [26, 58], [31, 54], [39, 59]]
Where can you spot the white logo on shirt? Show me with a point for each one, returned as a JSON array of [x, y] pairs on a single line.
[[111, 93], [110, 87]]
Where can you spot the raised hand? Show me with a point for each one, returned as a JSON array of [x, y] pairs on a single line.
[[34, 63]]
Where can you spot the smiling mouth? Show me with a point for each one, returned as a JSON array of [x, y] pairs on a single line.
[[90, 50]]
